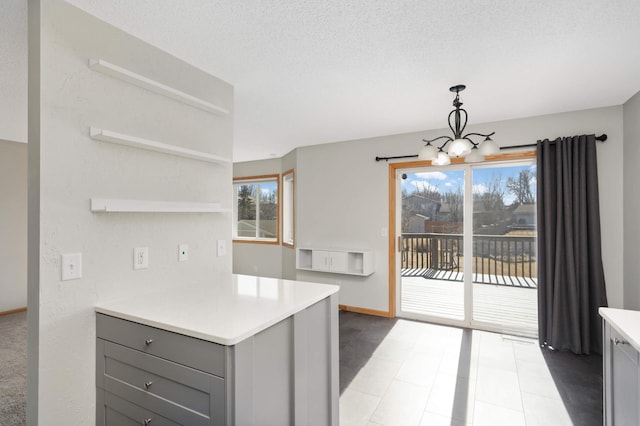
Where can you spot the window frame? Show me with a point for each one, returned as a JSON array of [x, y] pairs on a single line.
[[291, 205], [248, 180]]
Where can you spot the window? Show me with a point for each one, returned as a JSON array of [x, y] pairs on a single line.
[[288, 209], [256, 209]]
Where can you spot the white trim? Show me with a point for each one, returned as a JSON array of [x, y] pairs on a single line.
[[106, 205], [253, 240], [102, 135], [131, 77]]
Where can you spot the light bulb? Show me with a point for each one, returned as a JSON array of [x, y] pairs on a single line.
[[474, 156], [442, 160], [459, 147], [489, 147], [428, 152]]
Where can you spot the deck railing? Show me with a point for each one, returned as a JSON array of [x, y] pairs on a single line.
[[498, 259]]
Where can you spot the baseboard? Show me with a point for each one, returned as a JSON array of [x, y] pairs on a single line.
[[13, 311], [365, 311]]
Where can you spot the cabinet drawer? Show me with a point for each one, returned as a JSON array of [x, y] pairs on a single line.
[[189, 351], [185, 386], [623, 346], [118, 412]]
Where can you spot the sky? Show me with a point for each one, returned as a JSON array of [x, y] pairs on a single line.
[[452, 179]]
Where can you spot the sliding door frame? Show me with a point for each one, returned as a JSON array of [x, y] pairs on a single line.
[[393, 245]]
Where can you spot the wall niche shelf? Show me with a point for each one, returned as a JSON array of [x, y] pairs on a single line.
[[350, 262], [131, 77], [110, 205], [103, 135]]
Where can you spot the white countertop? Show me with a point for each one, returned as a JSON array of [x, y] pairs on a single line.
[[225, 313], [626, 322]]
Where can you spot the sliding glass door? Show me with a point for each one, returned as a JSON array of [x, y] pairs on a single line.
[[504, 280], [431, 224], [467, 249]]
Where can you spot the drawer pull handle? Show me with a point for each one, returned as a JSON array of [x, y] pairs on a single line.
[[147, 342], [619, 342], [148, 384], [146, 422]]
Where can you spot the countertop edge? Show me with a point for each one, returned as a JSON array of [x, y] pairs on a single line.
[[220, 339], [613, 317]]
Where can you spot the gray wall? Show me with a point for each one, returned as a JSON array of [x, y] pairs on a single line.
[[67, 99], [13, 70], [632, 203], [13, 225], [342, 196]]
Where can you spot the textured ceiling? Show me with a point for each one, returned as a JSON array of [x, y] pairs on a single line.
[[318, 71]]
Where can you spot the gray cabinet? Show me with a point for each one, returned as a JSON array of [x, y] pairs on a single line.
[[286, 374], [146, 374], [621, 379]]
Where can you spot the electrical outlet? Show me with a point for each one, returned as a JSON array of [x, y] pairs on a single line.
[[183, 252], [141, 258], [71, 266]]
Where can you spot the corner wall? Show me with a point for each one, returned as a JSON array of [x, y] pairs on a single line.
[[13, 225], [69, 97], [631, 202], [258, 259]]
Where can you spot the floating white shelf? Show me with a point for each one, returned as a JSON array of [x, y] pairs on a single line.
[[136, 142], [110, 205], [124, 74], [350, 262]]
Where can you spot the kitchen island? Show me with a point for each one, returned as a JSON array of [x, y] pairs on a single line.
[[250, 351]]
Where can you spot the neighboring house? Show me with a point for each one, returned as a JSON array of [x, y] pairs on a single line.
[[524, 216], [416, 224], [417, 204]]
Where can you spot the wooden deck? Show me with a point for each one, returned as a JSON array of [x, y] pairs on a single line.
[[510, 307], [478, 278]]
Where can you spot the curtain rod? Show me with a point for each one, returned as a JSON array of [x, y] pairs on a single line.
[[601, 138]]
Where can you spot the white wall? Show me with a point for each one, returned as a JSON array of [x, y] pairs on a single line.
[[632, 203], [13, 225], [342, 195], [73, 168]]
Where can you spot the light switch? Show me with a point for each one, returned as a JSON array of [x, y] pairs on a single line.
[[222, 248], [71, 266]]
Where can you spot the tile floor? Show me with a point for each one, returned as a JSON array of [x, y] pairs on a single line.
[[398, 372]]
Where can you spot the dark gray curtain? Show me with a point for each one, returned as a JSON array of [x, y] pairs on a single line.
[[570, 275]]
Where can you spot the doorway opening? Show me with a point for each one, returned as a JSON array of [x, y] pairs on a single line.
[[465, 252]]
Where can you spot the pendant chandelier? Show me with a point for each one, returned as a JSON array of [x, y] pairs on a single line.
[[459, 145]]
